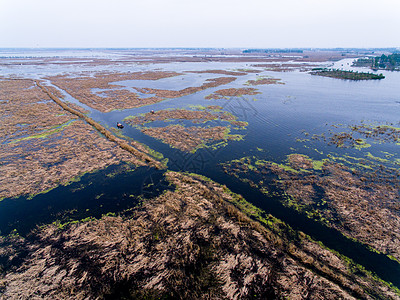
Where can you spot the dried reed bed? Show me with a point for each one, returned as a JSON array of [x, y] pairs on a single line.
[[26, 110], [232, 92], [120, 142], [209, 83], [209, 113], [44, 145], [264, 81], [116, 98], [222, 72], [185, 244], [188, 138], [36, 165], [358, 205]]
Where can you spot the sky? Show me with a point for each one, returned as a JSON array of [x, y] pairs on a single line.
[[205, 23]]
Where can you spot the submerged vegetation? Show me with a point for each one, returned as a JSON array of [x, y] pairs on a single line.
[[341, 74]]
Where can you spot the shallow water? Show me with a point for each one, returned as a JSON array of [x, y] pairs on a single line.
[[276, 117]]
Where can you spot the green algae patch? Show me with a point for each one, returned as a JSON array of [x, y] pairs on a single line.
[[46, 133], [361, 144], [378, 159], [317, 164]]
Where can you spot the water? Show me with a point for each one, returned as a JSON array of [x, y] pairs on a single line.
[[277, 117]]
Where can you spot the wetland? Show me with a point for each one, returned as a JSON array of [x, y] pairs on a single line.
[[233, 177]]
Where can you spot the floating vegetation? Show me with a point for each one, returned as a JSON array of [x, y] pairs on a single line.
[[261, 80], [232, 92], [206, 114], [190, 139], [358, 197], [357, 136]]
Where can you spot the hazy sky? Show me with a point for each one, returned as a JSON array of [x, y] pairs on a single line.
[[205, 23]]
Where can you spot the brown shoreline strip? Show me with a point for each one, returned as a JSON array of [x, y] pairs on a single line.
[[123, 144]]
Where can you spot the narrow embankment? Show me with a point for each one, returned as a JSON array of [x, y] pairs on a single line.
[[120, 142]]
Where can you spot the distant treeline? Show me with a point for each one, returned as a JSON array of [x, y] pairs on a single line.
[[341, 74], [272, 51], [384, 62]]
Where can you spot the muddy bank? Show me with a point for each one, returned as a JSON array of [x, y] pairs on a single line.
[[189, 243], [357, 203]]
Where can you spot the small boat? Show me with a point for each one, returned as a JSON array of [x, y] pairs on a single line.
[[119, 125]]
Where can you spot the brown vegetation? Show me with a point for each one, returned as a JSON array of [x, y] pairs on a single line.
[[44, 145], [116, 98], [358, 204], [188, 138], [223, 72], [185, 244], [288, 67], [26, 110], [210, 113], [210, 83], [264, 80], [232, 92], [120, 142]]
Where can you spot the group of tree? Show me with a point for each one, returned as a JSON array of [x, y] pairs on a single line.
[[384, 62], [341, 74], [272, 51]]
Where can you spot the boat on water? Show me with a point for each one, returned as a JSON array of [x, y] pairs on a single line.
[[119, 125]]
